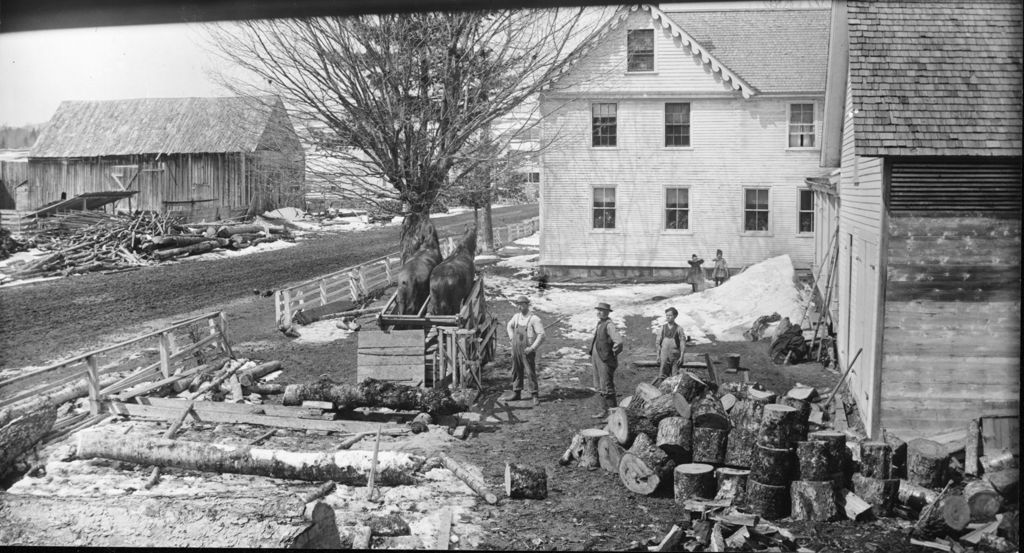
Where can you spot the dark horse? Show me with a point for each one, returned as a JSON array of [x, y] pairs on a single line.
[[452, 280], [421, 252]]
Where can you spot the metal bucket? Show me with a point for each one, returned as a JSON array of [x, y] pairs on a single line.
[[732, 361]]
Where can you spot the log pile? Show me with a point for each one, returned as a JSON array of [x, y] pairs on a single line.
[[379, 393]]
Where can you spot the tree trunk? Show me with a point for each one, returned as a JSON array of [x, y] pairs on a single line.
[[926, 463], [137, 521], [732, 484], [774, 466], [708, 412], [693, 481], [626, 424], [880, 493], [814, 460], [194, 249], [665, 405], [675, 437], [589, 457], [780, 425], [20, 434], [249, 377], [803, 414], [377, 393], [525, 482], [344, 467], [771, 502], [609, 453], [915, 497], [644, 470], [488, 222], [709, 445], [876, 460], [813, 500]]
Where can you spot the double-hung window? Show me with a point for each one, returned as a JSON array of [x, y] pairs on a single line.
[[755, 210], [603, 117], [677, 124], [604, 207], [640, 50], [677, 208], [805, 214], [801, 125]]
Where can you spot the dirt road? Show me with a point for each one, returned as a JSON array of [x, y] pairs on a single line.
[[47, 321]]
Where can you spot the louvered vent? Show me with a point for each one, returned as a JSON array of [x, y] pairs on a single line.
[[962, 186]]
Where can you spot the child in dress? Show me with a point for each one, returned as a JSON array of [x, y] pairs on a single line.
[[696, 276], [721, 271]]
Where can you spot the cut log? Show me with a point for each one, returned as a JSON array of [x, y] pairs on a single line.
[[609, 453], [138, 521], [675, 437], [763, 397], [709, 445], [768, 501], [265, 389], [899, 454], [837, 450], [344, 467], [915, 497], [23, 432], [926, 462], [803, 409], [641, 443], [193, 249], [728, 402], [813, 459], [880, 493], [732, 484], [63, 394], [774, 466], [525, 482], [377, 393], [686, 384], [876, 460], [716, 542], [574, 451], [693, 480], [665, 405], [249, 377], [746, 419], [851, 504], [931, 523], [780, 425], [707, 412], [1006, 482], [589, 457], [645, 470], [625, 424], [804, 393], [646, 391], [812, 500], [974, 537], [467, 477], [998, 461], [983, 500]]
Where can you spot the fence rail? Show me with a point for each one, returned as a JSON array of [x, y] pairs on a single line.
[[360, 282]]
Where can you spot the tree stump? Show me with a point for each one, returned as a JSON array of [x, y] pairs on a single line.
[[779, 426], [694, 480], [926, 462], [812, 500], [626, 424], [899, 454], [768, 501], [609, 453], [574, 451], [837, 451], [589, 458], [525, 482], [645, 470], [707, 412], [876, 460], [773, 466], [709, 445], [880, 493], [732, 484], [675, 437], [665, 405], [803, 409], [814, 461]]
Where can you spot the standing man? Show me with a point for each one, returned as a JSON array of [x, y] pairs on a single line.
[[605, 347], [526, 333]]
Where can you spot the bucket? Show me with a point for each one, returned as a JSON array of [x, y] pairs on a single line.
[[732, 361]]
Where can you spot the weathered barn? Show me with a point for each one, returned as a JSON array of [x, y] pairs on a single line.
[[209, 156], [923, 108]]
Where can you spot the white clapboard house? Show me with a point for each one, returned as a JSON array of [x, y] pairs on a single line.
[[682, 133]]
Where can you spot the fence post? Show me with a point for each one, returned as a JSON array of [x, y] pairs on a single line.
[[94, 385], [353, 287], [222, 325], [165, 354]]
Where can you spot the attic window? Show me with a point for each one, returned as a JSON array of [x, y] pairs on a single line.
[[640, 50]]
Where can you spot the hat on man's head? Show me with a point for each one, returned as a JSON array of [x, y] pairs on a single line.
[[604, 306], [522, 299]]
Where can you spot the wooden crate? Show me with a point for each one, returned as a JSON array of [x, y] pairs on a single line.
[[397, 356]]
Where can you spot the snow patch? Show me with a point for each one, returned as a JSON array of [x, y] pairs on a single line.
[[531, 240], [321, 332]]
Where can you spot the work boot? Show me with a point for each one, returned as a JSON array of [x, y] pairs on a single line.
[[516, 396]]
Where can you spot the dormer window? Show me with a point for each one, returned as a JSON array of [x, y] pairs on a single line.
[[640, 50]]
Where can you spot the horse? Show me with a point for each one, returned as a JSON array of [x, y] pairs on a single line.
[[414, 276], [452, 280]]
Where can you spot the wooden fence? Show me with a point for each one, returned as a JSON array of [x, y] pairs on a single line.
[[360, 282]]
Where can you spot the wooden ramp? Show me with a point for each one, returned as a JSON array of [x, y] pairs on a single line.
[[397, 356]]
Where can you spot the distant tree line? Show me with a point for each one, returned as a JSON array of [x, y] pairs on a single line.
[[18, 138]]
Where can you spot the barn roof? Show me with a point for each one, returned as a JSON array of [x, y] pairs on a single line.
[[773, 50], [155, 125], [936, 78]]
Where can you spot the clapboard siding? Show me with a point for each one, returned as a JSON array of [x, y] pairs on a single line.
[[734, 143]]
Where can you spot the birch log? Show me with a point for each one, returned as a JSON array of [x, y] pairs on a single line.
[[20, 434]]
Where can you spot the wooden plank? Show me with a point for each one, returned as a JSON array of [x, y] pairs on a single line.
[[999, 433], [215, 416], [269, 409], [410, 373], [390, 360], [399, 350], [395, 338], [163, 382], [949, 391]]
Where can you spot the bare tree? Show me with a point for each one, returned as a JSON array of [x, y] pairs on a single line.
[[395, 106]]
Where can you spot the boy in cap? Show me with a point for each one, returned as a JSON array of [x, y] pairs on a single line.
[[605, 347], [526, 333], [670, 344]]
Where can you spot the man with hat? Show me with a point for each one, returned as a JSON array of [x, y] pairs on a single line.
[[605, 347], [526, 332]]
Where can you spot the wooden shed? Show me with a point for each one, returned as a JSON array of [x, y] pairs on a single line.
[[213, 157], [924, 111]]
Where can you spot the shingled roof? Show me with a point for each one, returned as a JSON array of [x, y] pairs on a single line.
[[773, 50], [156, 125], [936, 78]]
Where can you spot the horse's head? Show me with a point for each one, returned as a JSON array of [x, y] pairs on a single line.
[[469, 240]]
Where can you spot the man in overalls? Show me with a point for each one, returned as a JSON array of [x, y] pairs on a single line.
[[526, 332], [605, 347], [670, 345]]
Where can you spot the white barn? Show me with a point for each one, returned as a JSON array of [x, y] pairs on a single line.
[[683, 133]]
